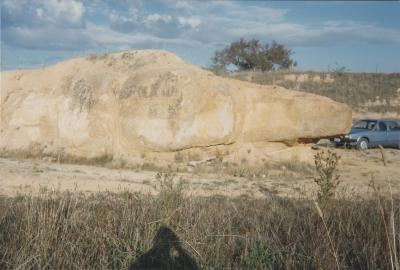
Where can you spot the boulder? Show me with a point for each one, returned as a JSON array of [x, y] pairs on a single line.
[[152, 101]]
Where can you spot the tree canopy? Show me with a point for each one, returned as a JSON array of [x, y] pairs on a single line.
[[246, 55]]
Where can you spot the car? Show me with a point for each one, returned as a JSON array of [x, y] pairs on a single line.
[[368, 133]]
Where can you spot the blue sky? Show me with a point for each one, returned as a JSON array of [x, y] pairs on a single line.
[[362, 36]]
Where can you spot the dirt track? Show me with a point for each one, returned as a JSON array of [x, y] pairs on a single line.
[[356, 170]]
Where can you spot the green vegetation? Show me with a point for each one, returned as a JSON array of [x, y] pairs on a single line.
[[252, 55]]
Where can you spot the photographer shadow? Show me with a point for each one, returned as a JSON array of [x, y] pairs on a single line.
[[166, 253]]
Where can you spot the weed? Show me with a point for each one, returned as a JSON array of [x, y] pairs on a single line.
[[171, 193], [36, 169], [327, 178], [149, 166], [389, 226], [295, 165], [321, 215], [146, 182], [179, 158]]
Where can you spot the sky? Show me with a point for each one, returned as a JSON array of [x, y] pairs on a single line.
[[361, 36]]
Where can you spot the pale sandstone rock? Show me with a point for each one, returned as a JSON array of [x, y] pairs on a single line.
[[151, 101]]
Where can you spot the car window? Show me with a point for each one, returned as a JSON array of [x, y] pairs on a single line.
[[382, 126], [360, 124], [392, 125], [371, 125], [364, 124]]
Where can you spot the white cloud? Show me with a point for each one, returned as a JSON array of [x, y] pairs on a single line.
[[193, 22], [238, 11], [70, 11], [329, 33], [154, 18], [62, 13], [104, 36], [39, 13], [187, 5], [116, 18]]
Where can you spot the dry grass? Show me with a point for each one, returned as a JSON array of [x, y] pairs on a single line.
[[354, 89], [244, 169], [37, 151], [54, 230], [215, 166]]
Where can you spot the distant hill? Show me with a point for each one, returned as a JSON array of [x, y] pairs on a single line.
[[369, 94]]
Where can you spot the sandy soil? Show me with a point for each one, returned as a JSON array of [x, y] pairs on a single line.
[[356, 171]]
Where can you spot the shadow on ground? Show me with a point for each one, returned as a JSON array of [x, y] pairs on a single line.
[[166, 253]]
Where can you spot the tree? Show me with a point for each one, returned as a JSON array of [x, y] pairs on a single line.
[[246, 55], [279, 56]]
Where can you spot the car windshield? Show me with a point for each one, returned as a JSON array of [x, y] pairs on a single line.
[[364, 124]]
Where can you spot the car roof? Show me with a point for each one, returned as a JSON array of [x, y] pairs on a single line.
[[390, 119], [381, 119], [368, 119]]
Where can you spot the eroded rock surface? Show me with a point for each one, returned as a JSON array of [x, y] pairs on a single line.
[[151, 101]]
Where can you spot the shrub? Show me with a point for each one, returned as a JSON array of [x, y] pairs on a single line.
[[327, 178], [171, 194], [248, 55]]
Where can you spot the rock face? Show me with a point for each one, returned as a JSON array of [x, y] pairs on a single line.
[[152, 101]]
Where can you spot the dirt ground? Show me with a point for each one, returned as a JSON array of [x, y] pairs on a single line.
[[356, 170]]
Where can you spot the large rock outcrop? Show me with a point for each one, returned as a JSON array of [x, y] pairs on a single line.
[[152, 101]]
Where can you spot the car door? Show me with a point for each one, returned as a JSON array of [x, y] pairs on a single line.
[[378, 136], [393, 134]]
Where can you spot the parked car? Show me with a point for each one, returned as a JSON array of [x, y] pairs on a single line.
[[368, 133]]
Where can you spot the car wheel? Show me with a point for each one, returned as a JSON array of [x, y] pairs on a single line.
[[362, 144]]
